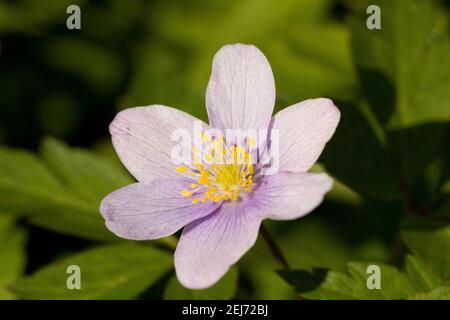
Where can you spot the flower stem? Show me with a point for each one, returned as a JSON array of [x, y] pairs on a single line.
[[274, 248]]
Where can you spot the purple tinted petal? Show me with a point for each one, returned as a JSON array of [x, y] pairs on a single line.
[[142, 137], [287, 196], [209, 246], [241, 89], [150, 210], [304, 129]]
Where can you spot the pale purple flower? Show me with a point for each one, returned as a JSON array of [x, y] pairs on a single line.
[[220, 207]]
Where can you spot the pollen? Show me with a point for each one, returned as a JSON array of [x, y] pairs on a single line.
[[225, 175], [181, 169]]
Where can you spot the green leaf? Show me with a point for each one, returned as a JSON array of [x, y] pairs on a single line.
[[411, 50], [394, 283], [355, 156], [369, 65], [421, 275], [403, 71], [441, 293], [25, 182], [225, 289], [89, 175], [429, 241], [328, 284], [305, 243], [321, 284], [308, 243], [416, 147], [62, 190], [12, 254], [119, 271], [340, 192]]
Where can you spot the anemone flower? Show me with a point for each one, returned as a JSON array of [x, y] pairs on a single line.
[[221, 193]]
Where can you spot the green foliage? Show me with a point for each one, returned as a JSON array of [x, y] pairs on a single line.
[[324, 284], [410, 52], [408, 61], [119, 271], [441, 293], [223, 290], [420, 281], [12, 254], [430, 241], [293, 34], [422, 276], [355, 155], [307, 243], [61, 190], [90, 176]]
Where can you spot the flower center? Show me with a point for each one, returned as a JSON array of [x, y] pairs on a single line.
[[226, 173]]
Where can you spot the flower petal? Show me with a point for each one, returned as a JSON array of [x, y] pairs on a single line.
[[209, 246], [304, 129], [241, 89], [144, 138], [151, 209], [287, 196]]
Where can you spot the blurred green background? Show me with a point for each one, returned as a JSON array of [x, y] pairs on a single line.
[[390, 157]]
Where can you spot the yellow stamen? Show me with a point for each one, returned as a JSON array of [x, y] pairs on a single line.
[[228, 172], [186, 193], [181, 169]]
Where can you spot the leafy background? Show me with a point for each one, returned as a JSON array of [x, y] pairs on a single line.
[[390, 156]]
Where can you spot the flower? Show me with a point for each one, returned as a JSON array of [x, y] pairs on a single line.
[[220, 204]]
